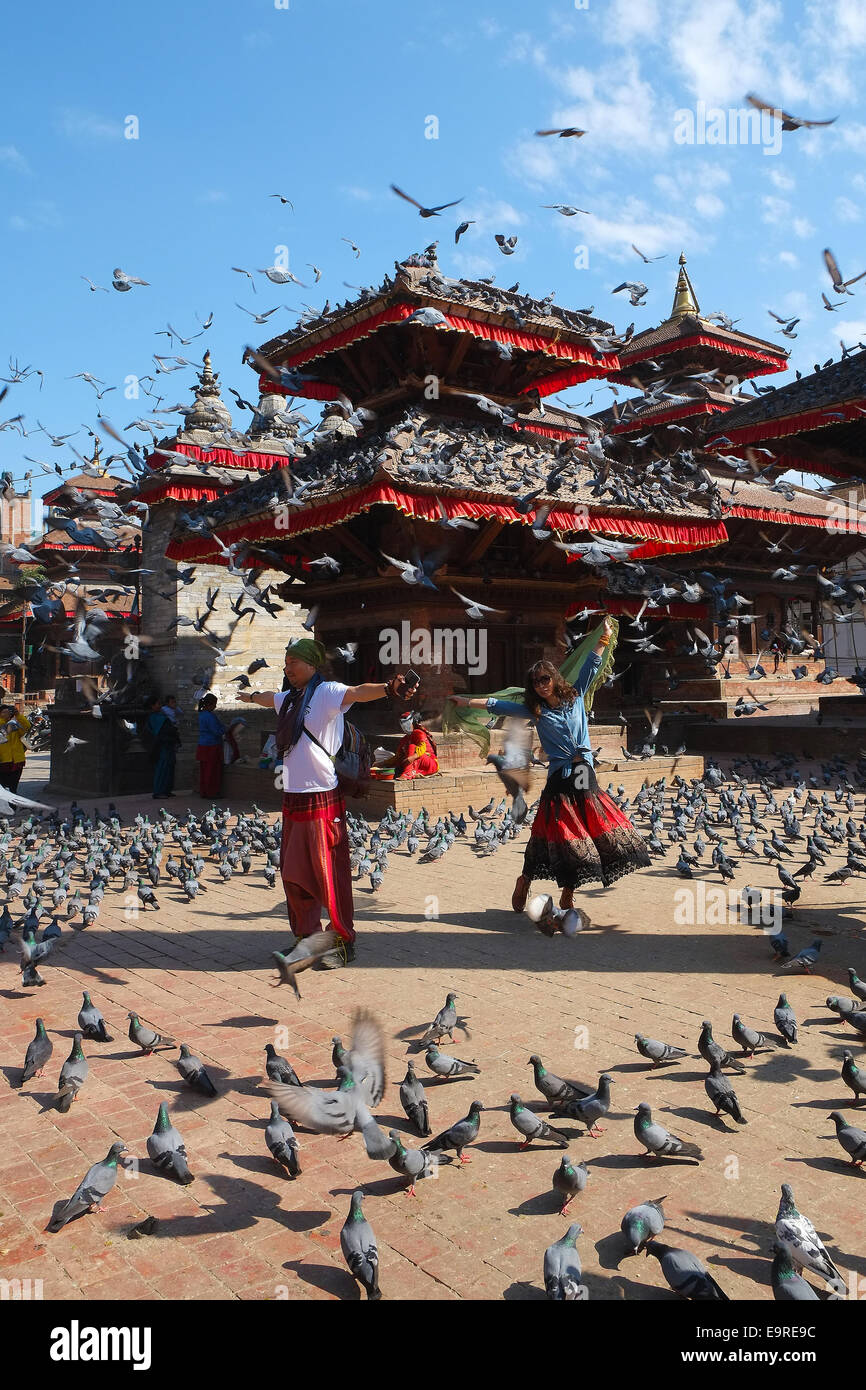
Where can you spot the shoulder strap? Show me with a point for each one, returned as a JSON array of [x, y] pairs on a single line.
[[311, 735]]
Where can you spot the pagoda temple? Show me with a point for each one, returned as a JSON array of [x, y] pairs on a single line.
[[430, 480], [440, 478]]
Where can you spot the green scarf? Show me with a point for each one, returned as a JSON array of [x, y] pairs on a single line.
[[476, 722]]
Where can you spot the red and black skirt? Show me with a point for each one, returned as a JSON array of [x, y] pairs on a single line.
[[579, 835]]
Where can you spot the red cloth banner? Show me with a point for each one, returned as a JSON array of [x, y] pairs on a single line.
[[226, 458], [764, 361], [660, 537], [658, 420], [793, 424], [396, 313]]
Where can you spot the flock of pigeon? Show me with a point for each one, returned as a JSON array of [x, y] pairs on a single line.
[[711, 824]]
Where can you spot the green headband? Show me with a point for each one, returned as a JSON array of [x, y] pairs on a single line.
[[307, 649]]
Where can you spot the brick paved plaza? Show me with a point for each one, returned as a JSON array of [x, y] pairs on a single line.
[[243, 1231]]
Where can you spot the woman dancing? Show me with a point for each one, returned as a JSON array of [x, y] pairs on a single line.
[[578, 834]]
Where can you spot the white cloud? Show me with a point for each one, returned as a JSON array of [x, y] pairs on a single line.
[[709, 205], [723, 49], [782, 180], [847, 210], [35, 216], [774, 209], [788, 258], [624, 21], [353, 190], [212, 195], [87, 125], [12, 158], [615, 105], [802, 227]]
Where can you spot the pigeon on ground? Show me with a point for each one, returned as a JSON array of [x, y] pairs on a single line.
[[165, 1148], [460, 1135], [444, 1022], [858, 1022], [146, 1036], [73, 1075], [414, 1164], [788, 1285], [194, 1072], [853, 1077], [279, 1069], [805, 959], [750, 1040], [590, 1109], [569, 1179], [658, 1052], [443, 1065], [280, 1139], [843, 1006], [555, 1090], [91, 1022], [722, 1094], [96, 1184], [414, 1101], [711, 1051], [642, 1223], [340, 1112], [797, 1238], [657, 1141], [785, 1021], [852, 1139], [527, 1123], [562, 1268], [358, 1245], [858, 986], [686, 1274], [38, 1054]]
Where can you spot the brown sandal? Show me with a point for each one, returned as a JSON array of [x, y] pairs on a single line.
[[520, 894], [566, 898]]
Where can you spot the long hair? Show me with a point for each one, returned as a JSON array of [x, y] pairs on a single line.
[[566, 693]]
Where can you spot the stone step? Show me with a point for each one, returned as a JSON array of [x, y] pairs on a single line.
[[458, 789]]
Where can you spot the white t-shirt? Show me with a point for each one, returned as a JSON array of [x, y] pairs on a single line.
[[306, 768]]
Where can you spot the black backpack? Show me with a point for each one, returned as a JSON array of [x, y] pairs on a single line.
[[352, 760]]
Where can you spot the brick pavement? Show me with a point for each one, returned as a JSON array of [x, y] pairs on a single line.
[[243, 1231]]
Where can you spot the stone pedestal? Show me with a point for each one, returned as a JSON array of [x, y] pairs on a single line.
[[110, 760]]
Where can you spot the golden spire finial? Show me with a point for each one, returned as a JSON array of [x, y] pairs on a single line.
[[685, 299]]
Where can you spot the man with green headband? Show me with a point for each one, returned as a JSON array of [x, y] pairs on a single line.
[[314, 852]]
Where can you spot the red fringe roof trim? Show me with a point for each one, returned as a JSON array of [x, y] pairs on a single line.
[[661, 537]]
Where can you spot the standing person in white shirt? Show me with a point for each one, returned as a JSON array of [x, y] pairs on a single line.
[[314, 852]]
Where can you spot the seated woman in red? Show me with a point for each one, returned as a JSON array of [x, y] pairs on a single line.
[[416, 755]]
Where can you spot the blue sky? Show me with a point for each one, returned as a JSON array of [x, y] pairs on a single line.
[[328, 102]]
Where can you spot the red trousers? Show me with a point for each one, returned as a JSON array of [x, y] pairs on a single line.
[[314, 863], [210, 768]]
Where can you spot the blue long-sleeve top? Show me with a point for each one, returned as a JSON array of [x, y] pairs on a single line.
[[210, 730], [563, 733]]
